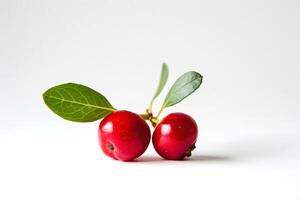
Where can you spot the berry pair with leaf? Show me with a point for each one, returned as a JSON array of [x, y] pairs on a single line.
[[124, 135]]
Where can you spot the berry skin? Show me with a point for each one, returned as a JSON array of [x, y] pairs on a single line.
[[123, 135], [175, 136]]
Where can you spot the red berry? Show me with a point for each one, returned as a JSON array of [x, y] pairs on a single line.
[[175, 136], [124, 135]]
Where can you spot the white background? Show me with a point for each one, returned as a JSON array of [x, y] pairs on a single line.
[[247, 108]]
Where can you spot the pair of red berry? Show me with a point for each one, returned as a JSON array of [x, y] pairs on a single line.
[[125, 136]]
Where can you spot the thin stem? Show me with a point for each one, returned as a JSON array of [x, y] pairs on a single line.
[[150, 107], [149, 116], [154, 120], [160, 111], [144, 116]]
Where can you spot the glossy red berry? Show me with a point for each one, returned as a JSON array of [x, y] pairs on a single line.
[[123, 135], [175, 136]]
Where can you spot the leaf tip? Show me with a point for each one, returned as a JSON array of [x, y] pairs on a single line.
[[197, 74], [44, 94], [164, 65]]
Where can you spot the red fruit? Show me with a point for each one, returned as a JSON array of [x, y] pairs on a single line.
[[175, 136], [124, 135]]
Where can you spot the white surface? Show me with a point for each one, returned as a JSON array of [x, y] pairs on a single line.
[[247, 108]]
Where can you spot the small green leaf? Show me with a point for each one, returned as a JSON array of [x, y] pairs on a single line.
[[77, 102], [163, 79], [184, 86], [162, 82]]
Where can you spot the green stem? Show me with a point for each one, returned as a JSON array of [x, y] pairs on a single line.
[[149, 116], [160, 111]]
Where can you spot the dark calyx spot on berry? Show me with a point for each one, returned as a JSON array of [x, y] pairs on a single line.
[[188, 153], [110, 147]]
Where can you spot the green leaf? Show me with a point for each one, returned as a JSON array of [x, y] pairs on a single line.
[[163, 79], [162, 82], [77, 102], [184, 86]]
